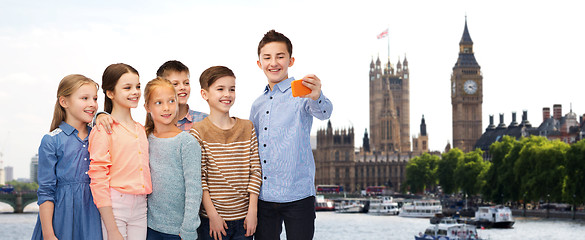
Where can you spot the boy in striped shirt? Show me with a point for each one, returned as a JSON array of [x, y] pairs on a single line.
[[230, 165]]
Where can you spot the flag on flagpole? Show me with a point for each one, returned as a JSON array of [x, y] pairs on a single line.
[[383, 34]]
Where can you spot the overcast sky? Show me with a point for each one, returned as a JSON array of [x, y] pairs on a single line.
[[530, 53]]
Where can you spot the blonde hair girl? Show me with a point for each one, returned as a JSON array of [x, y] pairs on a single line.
[[66, 208], [175, 160]]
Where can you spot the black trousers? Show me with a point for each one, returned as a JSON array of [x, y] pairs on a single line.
[[298, 218]]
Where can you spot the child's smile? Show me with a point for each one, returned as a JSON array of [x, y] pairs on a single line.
[[275, 61], [127, 91], [162, 106], [82, 104], [180, 81], [221, 94]]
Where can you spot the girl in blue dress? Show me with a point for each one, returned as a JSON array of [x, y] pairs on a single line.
[[66, 208]]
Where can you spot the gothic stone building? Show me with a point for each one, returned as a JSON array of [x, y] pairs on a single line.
[[383, 157], [385, 152], [466, 96], [569, 128], [337, 162]]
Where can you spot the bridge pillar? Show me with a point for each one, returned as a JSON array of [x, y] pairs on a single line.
[[18, 208]]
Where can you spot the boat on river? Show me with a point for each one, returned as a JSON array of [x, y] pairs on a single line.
[[323, 204], [449, 229], [383, 206], [494, 216], [425, 208], [349, 205]]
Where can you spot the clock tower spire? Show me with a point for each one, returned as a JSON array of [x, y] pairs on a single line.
[[466, 95]]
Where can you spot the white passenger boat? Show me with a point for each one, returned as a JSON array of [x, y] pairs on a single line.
[[351, 206], [494, 216], [383, 206], [323, 204], [449, 229], [421, 208]]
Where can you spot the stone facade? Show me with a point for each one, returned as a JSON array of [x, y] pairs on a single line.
[[466, 96]]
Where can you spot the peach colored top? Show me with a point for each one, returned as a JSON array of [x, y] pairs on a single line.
[[119, 161]]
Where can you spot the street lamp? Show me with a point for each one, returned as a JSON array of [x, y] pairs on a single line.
[[547, 205], [574, 206], [524, 212]]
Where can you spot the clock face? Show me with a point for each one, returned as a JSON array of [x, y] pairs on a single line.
[[470, 87]]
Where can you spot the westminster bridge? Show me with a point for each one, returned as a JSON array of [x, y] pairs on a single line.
[[18, 199]]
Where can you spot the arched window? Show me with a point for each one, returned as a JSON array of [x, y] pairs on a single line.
[[388, 130]]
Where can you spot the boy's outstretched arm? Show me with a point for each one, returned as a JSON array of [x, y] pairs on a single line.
[[314, 83], [319, 106]]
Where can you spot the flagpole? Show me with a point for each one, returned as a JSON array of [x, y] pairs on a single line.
[[388, 46]]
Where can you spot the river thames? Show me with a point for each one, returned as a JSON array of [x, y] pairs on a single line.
[[339, 226]]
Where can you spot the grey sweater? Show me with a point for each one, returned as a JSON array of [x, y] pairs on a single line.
[[175, 169]]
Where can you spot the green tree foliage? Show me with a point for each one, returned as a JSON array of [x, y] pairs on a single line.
[[573, 184], [421, 173], [468, 171], [499, 179], [530, 169], [507, 178], [22, 186], [540, 168], [446, 168]]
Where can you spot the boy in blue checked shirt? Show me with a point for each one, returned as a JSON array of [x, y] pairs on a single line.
[[283, 126]]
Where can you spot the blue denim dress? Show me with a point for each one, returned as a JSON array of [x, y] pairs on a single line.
[[62, 172]]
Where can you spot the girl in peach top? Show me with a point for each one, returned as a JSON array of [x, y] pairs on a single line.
[[119, 169]]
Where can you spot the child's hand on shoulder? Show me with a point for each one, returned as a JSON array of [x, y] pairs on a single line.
[[314, 83], [106, 121]]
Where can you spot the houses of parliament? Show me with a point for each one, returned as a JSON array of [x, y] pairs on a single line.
[[387, 148]]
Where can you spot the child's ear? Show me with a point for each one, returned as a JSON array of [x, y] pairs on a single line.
[[204, 94], [109, 94], [259, 64], [292, 61], [146, 108], [63, 101]]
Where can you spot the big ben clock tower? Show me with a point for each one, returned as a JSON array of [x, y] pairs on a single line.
[[466, 96]]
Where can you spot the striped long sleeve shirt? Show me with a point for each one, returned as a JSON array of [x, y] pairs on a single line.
[[230, 166]]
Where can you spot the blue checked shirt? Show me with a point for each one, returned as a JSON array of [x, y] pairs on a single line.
[[283, 125], [186, 123]]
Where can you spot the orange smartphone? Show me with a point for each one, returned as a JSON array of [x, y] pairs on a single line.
[[298, 89]]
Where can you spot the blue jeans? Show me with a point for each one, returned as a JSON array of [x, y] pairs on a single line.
[[235, 230], [156, 235], [298, 217]]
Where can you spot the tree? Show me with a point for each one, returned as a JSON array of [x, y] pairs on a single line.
[[22, 186], [499, 177], [446, 168], [420, 172], [498, 153], [573, 188], [540, 168], [468, 170]]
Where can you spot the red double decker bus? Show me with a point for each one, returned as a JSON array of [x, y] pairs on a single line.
[[375, 190], [325, 189]]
